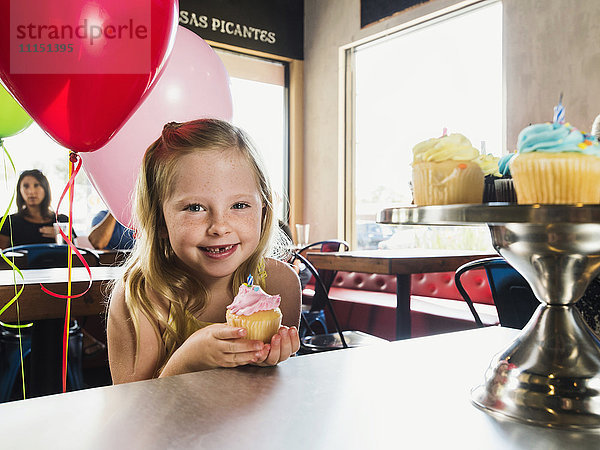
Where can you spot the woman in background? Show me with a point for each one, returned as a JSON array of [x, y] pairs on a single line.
[[33, 223]]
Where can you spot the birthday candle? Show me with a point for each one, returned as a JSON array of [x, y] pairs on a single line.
[[559, 111], [250, 280]]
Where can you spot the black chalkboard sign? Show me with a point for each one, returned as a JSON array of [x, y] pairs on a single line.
[[375, 10], [271, 26]]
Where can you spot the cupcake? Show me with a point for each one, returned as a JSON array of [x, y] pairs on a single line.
[[445, 172], [505, 188], [256, 311], [489, 167], [556, 163]]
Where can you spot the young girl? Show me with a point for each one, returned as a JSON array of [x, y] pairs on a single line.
[[205, 222]]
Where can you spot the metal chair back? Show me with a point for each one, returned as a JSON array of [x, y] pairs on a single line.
[[513, 297], [326, 276], [311, 342]]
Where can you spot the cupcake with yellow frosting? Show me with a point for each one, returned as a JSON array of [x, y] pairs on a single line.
[[445, 171], [556, 164], [256, 311]]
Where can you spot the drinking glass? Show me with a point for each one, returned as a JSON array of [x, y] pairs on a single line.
[[302, 233], [64, 226]]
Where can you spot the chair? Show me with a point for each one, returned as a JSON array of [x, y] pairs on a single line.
[[40, 256], [314, 314], [513, 297], [329, 341], [10, 358]]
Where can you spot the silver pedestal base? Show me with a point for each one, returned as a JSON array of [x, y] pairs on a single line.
[[547, 376], [550, 375]]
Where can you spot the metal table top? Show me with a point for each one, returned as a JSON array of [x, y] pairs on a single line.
[[404, 394]]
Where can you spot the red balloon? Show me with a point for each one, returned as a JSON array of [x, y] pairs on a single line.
[[80, 68]]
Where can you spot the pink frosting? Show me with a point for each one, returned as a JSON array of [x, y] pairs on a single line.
[[251, 299]]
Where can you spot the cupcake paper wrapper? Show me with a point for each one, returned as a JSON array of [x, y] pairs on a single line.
[[559, 178], [260, 326], [489, 189], [505, 190], [447, 182]]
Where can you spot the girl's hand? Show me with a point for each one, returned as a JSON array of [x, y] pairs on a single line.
[[283, 345], [217, 345]]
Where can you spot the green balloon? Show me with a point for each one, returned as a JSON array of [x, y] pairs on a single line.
[[13, 118]]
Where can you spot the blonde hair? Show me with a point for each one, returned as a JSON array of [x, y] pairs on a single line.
[[153, 263]]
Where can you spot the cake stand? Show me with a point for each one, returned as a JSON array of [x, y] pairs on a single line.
[[550, 374]]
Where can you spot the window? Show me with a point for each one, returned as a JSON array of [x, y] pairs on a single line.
[[259, 94], [408, 87]]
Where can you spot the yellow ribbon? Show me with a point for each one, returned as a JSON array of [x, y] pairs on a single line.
[[14, 268]]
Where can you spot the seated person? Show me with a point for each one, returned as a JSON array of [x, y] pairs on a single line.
[[34, 219], [108, 233]]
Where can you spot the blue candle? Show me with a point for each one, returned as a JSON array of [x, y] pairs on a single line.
[[559, 111], [250, 280]]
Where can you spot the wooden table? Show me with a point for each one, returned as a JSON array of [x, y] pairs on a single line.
[[402, 264], [35, 305], [412, 394]]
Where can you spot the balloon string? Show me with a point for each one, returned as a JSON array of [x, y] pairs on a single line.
[[70, 187], [15, 269], [68, 309], [74, 157]]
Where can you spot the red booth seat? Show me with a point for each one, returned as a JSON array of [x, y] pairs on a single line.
[[367, 302]]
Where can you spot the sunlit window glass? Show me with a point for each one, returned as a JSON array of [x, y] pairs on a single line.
[[408, 88], [259, 107]]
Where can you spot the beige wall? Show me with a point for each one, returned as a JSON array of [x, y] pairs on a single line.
[[549, 46]]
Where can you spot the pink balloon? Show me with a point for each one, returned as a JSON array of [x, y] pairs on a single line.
[[194, 85]]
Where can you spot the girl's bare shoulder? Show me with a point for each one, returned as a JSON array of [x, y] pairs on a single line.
[[280, 276], [118, 305]]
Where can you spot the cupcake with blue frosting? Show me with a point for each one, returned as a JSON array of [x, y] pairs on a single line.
[[556, 164]]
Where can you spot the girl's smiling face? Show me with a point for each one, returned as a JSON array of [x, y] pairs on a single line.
[[213, 215]]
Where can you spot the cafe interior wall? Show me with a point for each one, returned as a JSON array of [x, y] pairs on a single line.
[[549, 46]]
